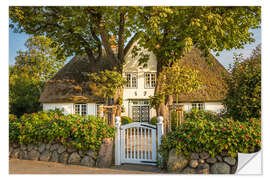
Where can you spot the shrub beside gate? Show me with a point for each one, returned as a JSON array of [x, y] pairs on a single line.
[[81, 132]]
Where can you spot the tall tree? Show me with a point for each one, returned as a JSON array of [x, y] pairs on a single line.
[[243, 99], [83, 30], [168, 32], [31, 70]]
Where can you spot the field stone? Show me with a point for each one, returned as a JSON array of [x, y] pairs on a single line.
[[33, 155], [54, 157], [64, 158], [105, 154], [219, 158], [74, 158], [194, 156], [193, 163], [54, 147], [204, 155], [220, 168], [188, 170], [91, 153], [15, 145], [233, 169], [203, 169], [10, 150], [223, 154], [81, 153], [87, 161], [45, 156], [21, 154], [201, 161], [231, 161], [23, 147], [61, 149], [48, 146], [176, 162], [42, 147], [71, 149], [30, 147], [15, 154], [36, 148], [211, 160]]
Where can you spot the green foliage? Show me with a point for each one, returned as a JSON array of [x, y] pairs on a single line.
[[41, 59], [169, 32], [199, 134], [107, 82], [172, 31], [179, 79], [153, 120], [24, 92], [82, 132], [126, 120], [202, 114], [32, 69], [243, 99]]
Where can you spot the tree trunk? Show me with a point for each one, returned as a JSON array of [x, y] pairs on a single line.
[[163, 108]]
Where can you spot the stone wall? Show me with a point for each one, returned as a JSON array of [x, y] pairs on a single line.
[[201, 163], [56, 152]]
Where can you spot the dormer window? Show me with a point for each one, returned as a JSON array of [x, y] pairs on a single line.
[[80, 109], [131, 80], [150, 80]]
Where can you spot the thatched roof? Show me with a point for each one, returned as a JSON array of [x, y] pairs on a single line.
[[71, 83], [213, 88]]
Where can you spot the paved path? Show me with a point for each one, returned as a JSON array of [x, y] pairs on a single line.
[[39, 167]]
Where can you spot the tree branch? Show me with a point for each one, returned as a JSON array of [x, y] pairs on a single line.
[[130, 43], [105, 40], [121, 38], [98, 41]]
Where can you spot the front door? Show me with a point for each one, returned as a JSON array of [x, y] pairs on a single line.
[[140, 111]]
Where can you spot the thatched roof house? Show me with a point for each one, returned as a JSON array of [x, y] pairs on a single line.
[[71, 86]]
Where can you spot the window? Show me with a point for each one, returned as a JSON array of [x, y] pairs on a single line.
[[80, 109], [131, 80], [199, 106], [150, 80]]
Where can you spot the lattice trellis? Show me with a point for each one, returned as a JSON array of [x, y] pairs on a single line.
[[108, 113]]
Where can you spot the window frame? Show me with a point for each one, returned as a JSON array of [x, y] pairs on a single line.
[[150, 80], [197, 105], [80, 109], [132, 74]]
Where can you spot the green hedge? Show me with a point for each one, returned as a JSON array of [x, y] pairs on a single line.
[[153, 120], [82, 132], [199, 134], [126, 120]]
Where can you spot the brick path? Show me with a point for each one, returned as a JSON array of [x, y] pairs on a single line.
[[39, 167]]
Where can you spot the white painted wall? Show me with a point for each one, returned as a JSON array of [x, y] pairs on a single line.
[[210, 106], [69, 107], [131, 65]]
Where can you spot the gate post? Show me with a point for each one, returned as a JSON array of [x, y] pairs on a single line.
[[117, 141], [160, 132]]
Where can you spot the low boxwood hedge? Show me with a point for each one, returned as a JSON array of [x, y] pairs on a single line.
[[82, 132]]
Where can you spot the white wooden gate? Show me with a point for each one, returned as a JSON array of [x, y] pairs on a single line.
[[137, 143]]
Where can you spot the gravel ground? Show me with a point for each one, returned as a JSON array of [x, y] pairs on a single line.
[[39, 167]]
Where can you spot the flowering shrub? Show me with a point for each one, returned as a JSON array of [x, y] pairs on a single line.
[[202, 135], [82, 132]]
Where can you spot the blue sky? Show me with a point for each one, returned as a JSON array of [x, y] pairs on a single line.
[[17, 40]]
